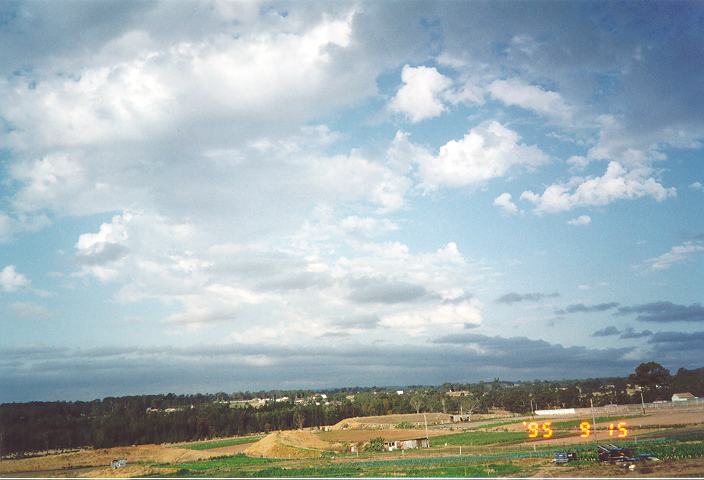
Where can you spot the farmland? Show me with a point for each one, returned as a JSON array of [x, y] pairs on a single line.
[[490, 448]]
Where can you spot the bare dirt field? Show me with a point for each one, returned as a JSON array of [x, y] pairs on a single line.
[[102, 458], [366, 435], [390, 420]]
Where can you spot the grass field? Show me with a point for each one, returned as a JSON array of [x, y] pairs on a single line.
[[478, 438], [226, 442]]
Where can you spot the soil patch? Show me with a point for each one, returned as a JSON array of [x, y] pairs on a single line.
[[291, 444], [385, 421], [366, 435], [102, 458]]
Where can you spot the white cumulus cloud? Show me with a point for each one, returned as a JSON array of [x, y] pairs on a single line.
[[617, 183], [677, 254], [582, 220], [11, 280], [440, 319], [504, 202], [515, 92], [420, 97], [487, 151]]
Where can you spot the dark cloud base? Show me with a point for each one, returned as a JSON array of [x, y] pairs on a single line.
[[582, 308], [665, 312], [82, 374]]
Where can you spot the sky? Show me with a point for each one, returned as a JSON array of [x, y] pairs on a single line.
[[205, 196]]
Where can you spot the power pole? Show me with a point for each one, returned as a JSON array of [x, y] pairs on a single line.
[[642, 402], [425, 419], [591, 402]]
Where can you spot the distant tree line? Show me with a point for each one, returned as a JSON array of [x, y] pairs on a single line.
[[115, 421]]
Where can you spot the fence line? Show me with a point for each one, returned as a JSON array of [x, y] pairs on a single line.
[[635, 408]]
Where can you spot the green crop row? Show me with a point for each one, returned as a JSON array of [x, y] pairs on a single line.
[[478, 438]]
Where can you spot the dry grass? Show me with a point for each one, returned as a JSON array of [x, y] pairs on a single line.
[[102, 457]]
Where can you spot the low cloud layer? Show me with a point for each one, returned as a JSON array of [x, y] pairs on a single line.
[[665, 312], [56, 373], [582, 308], [514, 297]]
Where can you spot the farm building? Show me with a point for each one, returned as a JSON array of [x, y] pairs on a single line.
[[392, 445], [682, 397], [459, 418], [118, 463]]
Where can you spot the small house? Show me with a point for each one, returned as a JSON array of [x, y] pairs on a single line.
[[682, 397], [392, 445]]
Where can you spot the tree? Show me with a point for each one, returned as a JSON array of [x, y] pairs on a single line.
[[418, 401], [653, 378], [691, 381], [468, 404], [299, 419]]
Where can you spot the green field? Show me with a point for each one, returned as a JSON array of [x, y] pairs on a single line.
[[227, 442], [242, 466], [478, 438]]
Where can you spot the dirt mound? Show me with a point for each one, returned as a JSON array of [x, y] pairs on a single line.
[[308, 440], [102, 458], [291, 444]]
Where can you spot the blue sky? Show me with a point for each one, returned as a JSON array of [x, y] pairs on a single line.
[[215, 196]]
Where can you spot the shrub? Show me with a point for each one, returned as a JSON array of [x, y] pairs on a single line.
[[376, 444]]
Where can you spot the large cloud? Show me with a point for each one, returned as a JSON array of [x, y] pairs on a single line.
[[617, 183], [487, 151], [267, 288]]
